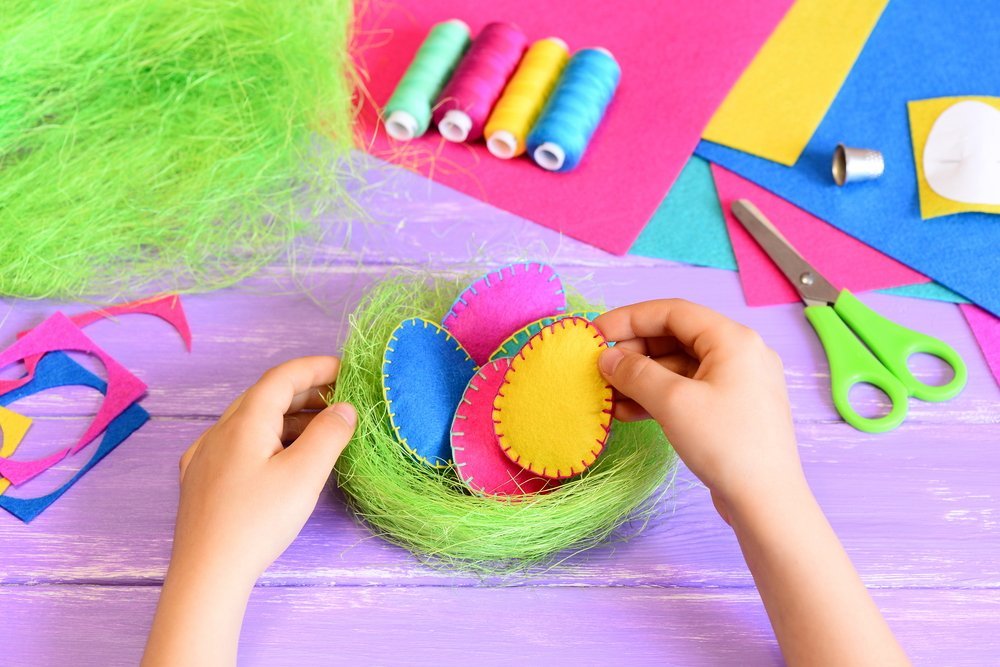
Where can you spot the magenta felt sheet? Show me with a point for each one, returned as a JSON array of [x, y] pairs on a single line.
[[842, 259], [679, 58], [986, 328]]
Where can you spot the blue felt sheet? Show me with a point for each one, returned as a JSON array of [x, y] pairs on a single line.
[[919, 49], [56, 369]]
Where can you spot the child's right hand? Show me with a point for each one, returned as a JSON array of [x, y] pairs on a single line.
[[716, 389]]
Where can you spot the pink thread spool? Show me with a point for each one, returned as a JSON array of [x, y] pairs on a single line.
[[466, 102]]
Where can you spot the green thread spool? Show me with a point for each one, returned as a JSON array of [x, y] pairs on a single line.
[[408, 112]]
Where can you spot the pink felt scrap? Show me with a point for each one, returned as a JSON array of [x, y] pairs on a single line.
[[480, 461], [678, 59], [842, 259], [986, 328], [168, 308], [502, 302], [58, 332]]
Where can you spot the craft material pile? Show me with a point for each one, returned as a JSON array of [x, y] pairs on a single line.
[[175, 144], [485, 437], [42, 352]]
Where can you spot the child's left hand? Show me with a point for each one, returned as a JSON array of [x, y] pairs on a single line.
[[244, 498]]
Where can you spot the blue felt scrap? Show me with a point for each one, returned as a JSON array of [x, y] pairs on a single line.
[[57, 369], [918, 50], [688, 226], [425, 371]]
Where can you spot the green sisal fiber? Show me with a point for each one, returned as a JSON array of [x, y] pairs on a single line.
[[165, 144], [431, 513]]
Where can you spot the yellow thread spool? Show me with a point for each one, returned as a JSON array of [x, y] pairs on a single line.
[[524, 96]]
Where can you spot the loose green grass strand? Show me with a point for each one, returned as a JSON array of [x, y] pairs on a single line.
[[431, 513], [164, 143]]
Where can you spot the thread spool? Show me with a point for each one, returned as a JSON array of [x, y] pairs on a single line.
[[523, 98], [408, 112], [574, 110], [478, 81]]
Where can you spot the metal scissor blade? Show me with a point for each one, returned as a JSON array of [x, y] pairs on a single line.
[[814, 289]]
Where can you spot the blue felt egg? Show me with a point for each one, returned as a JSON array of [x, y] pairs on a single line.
[[424, 373]]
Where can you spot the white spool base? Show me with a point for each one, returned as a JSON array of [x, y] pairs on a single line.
[[455, 126], [550, 156], [401, 125], [502, 144]]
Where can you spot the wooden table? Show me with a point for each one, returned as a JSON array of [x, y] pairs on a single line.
[[918, 509]]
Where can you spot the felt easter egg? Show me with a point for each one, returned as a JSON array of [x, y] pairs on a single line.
[[513, 344], [552, 414], [501, 302], [480, 462], [424, 373]]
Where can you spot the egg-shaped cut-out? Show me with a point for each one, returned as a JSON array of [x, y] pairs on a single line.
[[480, 462], [513, 344], [424, 374], [552, 414], [502, 302]]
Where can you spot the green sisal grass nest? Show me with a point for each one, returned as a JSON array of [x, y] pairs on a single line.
[[165, 143], [431, 513]]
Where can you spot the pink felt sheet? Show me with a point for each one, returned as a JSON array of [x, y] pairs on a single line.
[[58, 332], [481, 463], [501, 303], [986, 328], [842, 259], [678, 58]]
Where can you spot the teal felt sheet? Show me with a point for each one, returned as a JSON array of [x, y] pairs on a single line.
[[932, 291]]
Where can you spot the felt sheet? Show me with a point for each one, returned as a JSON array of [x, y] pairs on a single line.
[[923, 115], [59, 333], [425, 371], [58, 370], [917, 50], [842, 259], [13, 427], [480, 462], [780, 99], [501, 302], [678, 61], [688, 225], [516, 340], [552, 414], [931, 291], [986, 328]]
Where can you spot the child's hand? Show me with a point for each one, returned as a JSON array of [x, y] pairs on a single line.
[[716, 389], [244, 498]]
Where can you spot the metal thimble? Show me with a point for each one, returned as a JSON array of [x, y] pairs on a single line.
[[851, 165]]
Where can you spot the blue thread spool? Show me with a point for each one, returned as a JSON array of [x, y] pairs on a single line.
[[572, 114]]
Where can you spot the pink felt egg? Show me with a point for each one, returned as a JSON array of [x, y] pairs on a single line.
[[480, 462], [502, 302]]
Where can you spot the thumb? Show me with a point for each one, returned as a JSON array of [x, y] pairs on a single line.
[[640, 378], [321, 443]]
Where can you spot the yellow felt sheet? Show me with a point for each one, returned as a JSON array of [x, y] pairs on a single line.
[[13, 427], [923, 113], [781, 98]]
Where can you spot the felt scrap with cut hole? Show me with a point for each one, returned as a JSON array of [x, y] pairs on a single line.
[[424, 371], [503, 301], [516, 340], [552, 414], [13, 427], [480, 462], [923, 116], [57, 369], [59, 333]]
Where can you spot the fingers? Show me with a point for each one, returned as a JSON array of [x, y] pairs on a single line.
[[280, 387], [317, 449], [653, 387], [627, 410], [294, 425], [697, 328]]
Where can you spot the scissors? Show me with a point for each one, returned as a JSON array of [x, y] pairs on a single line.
[[861, 346]]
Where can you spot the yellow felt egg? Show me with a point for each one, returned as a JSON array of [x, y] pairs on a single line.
[[552, 414]]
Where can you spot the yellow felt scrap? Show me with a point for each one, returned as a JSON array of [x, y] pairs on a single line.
[[553, 412], [13, 427], [923, 113], [781, 98]]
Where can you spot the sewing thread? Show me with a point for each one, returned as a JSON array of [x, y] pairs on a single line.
[[408, 113], [478, 81], [574, 110], [523, 98]]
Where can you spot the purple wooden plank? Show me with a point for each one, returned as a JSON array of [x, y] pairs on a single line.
[[96, 625]]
